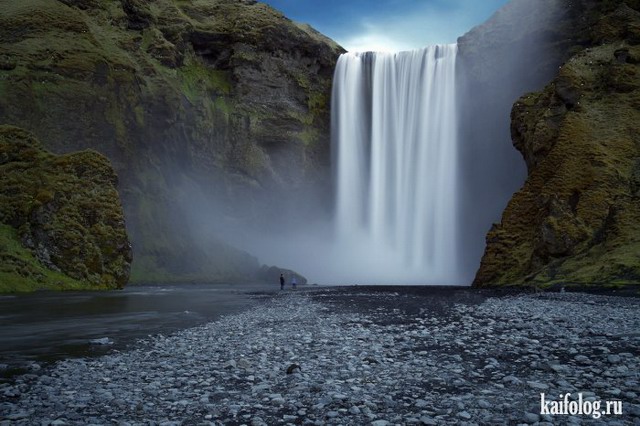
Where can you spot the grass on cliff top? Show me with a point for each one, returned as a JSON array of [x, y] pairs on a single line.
[[20, 271]]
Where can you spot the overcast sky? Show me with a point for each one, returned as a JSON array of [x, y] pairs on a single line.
[[389, 25]]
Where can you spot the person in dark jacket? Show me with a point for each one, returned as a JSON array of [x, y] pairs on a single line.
[[281, 282]]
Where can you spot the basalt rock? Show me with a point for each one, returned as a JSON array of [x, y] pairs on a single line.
[[576, 220], [61, 221]]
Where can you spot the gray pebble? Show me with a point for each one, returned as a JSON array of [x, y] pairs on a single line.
[[384, 366]]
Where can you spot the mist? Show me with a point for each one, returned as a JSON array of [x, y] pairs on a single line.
[[521, 55], [433, 232]]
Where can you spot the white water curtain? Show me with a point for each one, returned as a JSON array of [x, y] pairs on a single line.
[[396, 164]]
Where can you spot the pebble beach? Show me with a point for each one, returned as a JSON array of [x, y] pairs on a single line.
[[357, 356]]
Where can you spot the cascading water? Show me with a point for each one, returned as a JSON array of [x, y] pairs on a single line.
[[395, 163]]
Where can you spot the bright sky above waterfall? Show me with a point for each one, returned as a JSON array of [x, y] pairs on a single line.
[[389, 25]]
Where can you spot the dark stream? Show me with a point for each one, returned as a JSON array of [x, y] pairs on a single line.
[[44, 327]]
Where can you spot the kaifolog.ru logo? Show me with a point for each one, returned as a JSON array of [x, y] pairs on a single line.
[[579, 406]]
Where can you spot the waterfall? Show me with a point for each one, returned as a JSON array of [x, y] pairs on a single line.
[[396, 165]]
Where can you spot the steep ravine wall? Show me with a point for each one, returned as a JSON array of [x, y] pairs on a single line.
[[218, 107], [516, 51], [575, 221]]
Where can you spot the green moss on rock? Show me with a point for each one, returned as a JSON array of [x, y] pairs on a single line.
[[65, 212], [577, 218], [20, 271], [223, 93]]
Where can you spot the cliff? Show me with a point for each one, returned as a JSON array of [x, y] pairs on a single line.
[[218, 107], [576, 220], [518, 50], [61, 222]]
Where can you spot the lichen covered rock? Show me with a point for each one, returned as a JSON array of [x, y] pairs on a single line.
[[66, 211], [577, 218]]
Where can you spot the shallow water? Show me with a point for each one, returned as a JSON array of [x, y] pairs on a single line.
[[48, 326]]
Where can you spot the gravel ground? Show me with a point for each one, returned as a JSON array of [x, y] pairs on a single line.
[[358, 356]]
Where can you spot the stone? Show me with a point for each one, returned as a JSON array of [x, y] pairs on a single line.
[[537, 385], [17, 416], [558, 368], [582, 359], [293, 368], [429, 421], [511, 379], [483, 404], [244, 364], [257, 421], [464, 415], [613, 359], [421, 403]]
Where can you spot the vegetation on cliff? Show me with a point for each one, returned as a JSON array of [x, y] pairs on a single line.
[[577, 218], [227, 99], [61, 222], [518, 50]]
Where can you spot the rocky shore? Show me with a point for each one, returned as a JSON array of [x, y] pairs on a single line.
[[356, 356]]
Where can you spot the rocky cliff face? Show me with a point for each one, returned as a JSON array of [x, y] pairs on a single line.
[[217, 100], [61, 222], [576, 220], [517, 50]]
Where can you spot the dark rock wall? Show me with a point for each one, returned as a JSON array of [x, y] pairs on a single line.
[[217, 107], [517, 50], [575, 220]]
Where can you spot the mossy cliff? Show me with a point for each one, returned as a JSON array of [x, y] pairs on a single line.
[[517, 50], [576, 220], [61, 222], [219, 100]]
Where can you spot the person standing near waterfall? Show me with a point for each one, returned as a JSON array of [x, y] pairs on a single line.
[[294, 282], [281, 282]]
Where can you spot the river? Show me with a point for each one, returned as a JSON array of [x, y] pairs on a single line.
[[47, 326]]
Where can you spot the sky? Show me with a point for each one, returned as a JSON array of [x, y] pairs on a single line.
[[389, 25]]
